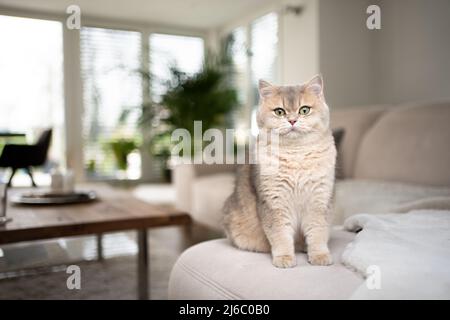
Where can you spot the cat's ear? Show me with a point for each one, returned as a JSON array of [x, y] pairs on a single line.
[[315, 85], [265, 88]]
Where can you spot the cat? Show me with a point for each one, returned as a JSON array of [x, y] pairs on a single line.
[[289, 208]]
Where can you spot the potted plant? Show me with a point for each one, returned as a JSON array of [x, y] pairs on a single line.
[[121, 148], [207, 96]]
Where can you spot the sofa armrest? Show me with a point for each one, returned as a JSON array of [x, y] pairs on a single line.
[[184, 176]]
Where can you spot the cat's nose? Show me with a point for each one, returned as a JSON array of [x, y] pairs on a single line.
[[292, 122]]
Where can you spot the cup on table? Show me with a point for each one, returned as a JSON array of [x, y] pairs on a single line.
[[62, 182], [57, 181]]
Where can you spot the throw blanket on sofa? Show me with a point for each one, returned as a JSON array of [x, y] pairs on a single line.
[[411, 253]]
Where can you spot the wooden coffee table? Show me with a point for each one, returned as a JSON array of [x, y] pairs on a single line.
[[114, 211]]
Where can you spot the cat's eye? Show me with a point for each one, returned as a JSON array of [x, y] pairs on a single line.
[[279, 112], [304, 110]]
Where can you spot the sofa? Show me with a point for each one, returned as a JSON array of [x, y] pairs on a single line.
[[391, 157]]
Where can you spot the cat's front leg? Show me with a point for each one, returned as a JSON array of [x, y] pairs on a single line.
[[316, 229], [279, 232]]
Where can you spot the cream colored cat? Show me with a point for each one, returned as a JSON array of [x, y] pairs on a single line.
[[289, 208]]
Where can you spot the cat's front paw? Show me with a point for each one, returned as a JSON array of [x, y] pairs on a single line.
[[320, 259], [285, 261]]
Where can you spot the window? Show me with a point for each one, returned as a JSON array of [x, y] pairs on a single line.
[[31, 81], [259, 53], [32, 98], [111, 64], [239, 54], [110, 60], [166, 51], [264, 33]]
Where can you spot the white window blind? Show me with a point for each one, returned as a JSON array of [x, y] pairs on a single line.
[[110, 60], [264, 49], [264, 43], [239, 51], [239, 57], [261, 56]]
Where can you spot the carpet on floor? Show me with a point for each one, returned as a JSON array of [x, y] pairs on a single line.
[[113, 278]]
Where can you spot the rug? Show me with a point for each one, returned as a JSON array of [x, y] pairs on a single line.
[[113, 278]]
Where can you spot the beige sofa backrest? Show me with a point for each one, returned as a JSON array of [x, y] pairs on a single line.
[[408, 143], [355, 121]]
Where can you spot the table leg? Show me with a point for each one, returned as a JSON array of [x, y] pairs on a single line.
[[143, 271], [99, 240]]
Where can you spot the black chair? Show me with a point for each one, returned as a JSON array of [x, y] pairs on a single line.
[[23, 156]]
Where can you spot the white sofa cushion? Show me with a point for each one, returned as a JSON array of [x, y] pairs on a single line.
[[217, 270], [409, 144], [355, 121], [366, 196]]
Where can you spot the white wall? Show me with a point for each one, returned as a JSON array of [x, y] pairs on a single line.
[[299, 43], [407, 60], [346, 53], [413, 51]]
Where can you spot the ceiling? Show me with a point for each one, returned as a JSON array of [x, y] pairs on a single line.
[[201, 14]]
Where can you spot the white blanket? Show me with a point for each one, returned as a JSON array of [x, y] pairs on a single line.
[[411, 252]]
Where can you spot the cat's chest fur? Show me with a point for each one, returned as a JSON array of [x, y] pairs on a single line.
[[298, 172]]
